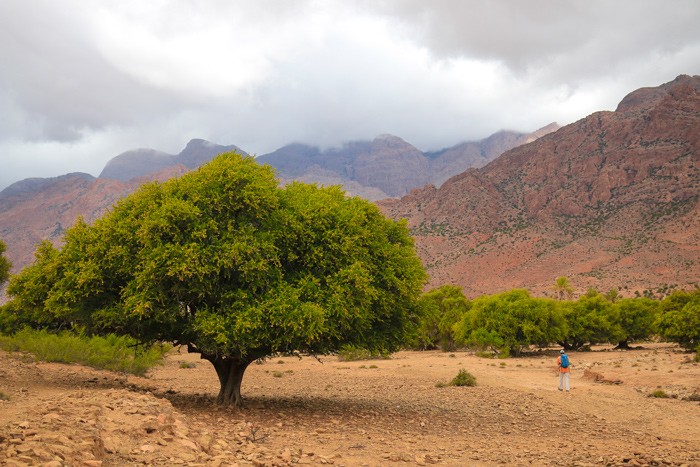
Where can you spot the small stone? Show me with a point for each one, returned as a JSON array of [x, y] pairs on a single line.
[[49, 417], [189, 444]]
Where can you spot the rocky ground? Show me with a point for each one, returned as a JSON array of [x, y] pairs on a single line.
[[381, 412]]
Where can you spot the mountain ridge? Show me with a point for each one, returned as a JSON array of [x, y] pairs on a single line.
[[388, 165], [612, 200]]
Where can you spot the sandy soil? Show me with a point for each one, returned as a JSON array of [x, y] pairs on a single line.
[[381, 412]]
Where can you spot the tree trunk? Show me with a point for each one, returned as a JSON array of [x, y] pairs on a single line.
[[623, 345], [230, 372]]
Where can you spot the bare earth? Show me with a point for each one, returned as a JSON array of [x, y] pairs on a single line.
[[382, 412]]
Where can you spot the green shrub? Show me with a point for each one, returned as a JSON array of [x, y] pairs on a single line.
[[188, 365], [659, 393], [110, 352], [463, 378], [4, 397], [353, 354]]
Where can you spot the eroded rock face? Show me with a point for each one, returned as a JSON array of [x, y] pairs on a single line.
[[608, 201]]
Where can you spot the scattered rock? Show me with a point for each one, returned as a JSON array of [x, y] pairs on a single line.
[[598, 378]]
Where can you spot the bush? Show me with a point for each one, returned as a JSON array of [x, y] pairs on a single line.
[[659, 393], [463, 378], [111, 352]]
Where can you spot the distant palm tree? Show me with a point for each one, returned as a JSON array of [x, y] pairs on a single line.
[[563, 288], [612, 295]]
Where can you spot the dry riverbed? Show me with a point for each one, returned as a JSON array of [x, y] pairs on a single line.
[[379, 412]]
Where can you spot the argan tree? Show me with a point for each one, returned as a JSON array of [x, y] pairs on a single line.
[[5, 264], [589, 320], [441, 309], [679, 319], [225, 262], [633, 319], [510, 321]]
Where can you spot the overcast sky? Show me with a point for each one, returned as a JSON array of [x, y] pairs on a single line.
[[82, 81]]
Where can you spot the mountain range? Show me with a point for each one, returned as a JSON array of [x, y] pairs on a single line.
[[610, 201], [388, 166]]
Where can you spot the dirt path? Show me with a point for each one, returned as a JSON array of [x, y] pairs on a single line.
[[358, 413]]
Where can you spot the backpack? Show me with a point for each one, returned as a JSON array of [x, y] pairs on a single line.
[[564, 361]]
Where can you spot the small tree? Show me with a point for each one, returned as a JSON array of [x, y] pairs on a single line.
[[679, 319], [5, 264], [509, 321], [225, 262], [634, 319], [588, 321], [7, 319], [441, 309]]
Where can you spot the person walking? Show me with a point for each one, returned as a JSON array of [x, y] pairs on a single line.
[[564, 370]]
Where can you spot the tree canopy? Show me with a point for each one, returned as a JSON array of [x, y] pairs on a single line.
[[510, 321], [679, 319], [226, 262], [440, 309]]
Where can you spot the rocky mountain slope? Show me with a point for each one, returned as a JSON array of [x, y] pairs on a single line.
[[610, 201], [388, 166]]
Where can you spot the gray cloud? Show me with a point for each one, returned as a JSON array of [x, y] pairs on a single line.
[[81, 82], [550, 34]]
